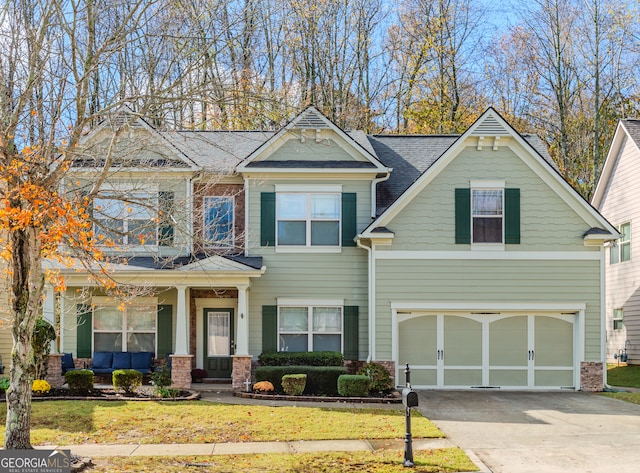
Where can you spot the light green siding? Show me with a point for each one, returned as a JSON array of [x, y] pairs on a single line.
[[547, 222], [308, 275], [295, 150], [488, 281]]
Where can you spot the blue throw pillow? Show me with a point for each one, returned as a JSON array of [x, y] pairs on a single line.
[[121, 361], [67, 362], [102, 359], [141, 360]]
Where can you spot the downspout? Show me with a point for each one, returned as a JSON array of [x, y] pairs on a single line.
[[372, 311]]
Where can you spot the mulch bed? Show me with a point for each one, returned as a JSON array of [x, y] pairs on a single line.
[[393, 397], [110, 395]]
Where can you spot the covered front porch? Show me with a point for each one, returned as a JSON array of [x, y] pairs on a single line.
[[194, 315]]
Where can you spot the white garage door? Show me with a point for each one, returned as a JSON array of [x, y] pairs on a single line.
[[467, 350]]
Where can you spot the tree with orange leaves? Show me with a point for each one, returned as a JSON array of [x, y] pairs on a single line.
[[55, 55]]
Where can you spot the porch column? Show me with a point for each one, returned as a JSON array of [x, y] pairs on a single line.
[[181, 359], [182, 331], [242, 332], [49, 312]]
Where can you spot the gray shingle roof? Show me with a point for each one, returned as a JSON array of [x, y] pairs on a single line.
[[633, 129], [148, 262], [412, 155]]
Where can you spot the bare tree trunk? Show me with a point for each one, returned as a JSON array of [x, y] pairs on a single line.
[[26, 291]]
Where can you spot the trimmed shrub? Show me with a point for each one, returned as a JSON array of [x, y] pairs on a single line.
[[320, 379], [4, 384], [354, 385], [379, 377], [293, 384], [126, 380], [302, 358], [79, 381]]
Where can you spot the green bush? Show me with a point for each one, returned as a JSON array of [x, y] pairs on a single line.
[[43, 335], [302, 358], [79, 381], [4, 384], [379, 376], [354, 385], [320, 379], [161, 380], [126, 380], [294, 384]]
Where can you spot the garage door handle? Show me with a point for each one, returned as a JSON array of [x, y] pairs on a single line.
[[531, 354]]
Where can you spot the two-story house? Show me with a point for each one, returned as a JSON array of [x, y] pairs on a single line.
[[468, 257], [617, 197]]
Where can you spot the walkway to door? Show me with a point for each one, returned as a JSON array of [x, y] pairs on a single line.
[[533, 432]]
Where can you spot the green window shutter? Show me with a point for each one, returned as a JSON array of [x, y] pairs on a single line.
[[512, 216], [165, 330], [351, 335], [268, 219], [463, 216], [349, 229], [269, 328], [165, 207], [84, 331]]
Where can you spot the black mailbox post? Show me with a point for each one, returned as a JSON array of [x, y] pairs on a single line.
[[409, 399]]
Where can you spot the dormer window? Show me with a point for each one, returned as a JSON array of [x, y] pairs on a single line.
[[487, 213]]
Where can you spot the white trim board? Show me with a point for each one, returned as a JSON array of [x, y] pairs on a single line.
[[490, 255]]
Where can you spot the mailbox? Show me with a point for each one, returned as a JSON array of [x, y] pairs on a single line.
[[409, 397]]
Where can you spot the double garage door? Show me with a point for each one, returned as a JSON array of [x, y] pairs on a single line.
[[471, 350]]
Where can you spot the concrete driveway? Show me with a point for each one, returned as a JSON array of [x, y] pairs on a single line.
[[539, 432]]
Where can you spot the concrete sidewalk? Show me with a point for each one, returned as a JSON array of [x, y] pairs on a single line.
[[132, 450]]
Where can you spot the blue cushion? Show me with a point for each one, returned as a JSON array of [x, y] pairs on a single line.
[[102, 370], [141, 360], [102, 359], [121, 360], [67, 362]]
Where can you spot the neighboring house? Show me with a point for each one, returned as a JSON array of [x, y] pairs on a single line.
[[468, 257], [617, 197]]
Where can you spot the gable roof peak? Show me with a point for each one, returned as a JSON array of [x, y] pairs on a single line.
[[311, 118]]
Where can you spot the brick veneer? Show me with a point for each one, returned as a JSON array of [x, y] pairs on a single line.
[[591, 376], [241, 371], [181, 371], [54, 370]]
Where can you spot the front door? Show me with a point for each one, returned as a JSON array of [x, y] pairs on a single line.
[[218, 342]]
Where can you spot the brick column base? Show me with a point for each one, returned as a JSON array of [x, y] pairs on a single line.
[[54, 370], [181, 371], [591, 376], [241, 372]]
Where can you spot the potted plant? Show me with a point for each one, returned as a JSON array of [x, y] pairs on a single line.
[[197, 375]]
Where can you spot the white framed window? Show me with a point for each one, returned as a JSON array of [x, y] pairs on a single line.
[[621, 251], [132, 328], [487, 215], [308, 219], [130, 219], [218, 221], [618, 319], [310, 328]]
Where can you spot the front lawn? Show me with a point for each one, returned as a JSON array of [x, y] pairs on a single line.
[[76, 422], [628, 376]]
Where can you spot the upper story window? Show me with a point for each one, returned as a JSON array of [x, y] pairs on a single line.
[[308, 219], [130, 219], [218, 221], [621, 251], [618, 319], [487, 214]]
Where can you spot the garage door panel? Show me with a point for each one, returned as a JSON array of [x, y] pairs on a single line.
[[508, 342], [419, 377], [558, 378], [508, 377], [553, 342], [466, 377], [462, 341], [418, 341]]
